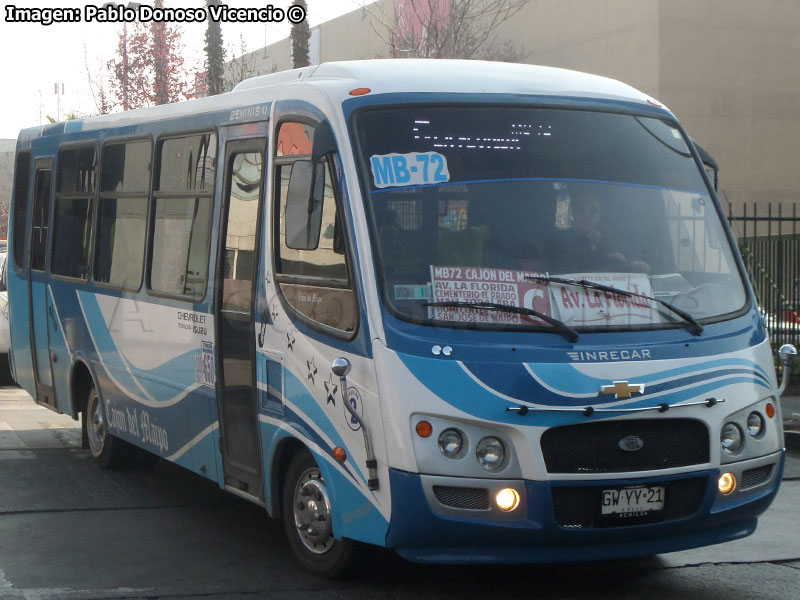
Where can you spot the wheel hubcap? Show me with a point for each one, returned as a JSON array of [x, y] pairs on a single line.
[[312, 512], [96, 425]]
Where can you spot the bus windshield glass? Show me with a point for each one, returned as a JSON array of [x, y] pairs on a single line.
[[472, 206]]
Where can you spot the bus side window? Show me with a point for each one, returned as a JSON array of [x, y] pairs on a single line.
[[22, 174], [72, 221], [181, 227], [122, 212], [315, 278]]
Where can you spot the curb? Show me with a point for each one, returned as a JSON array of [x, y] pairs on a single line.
[[792, 440]]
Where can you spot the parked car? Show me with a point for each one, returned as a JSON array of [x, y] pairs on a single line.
[[5, 331]]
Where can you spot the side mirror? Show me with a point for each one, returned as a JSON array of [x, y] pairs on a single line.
[[304, 205], [710, 165], [306, 192]]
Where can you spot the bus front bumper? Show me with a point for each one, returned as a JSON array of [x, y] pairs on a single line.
[[562, 522]]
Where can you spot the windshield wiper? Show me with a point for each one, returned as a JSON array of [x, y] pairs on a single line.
[[697, 329], [562, 327]]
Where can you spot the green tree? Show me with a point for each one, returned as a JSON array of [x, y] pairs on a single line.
[[215, 55], [300, 35]]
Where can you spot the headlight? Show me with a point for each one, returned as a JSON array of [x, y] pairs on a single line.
[[490, 453], [450, 442], [731, 438], [755, 424]]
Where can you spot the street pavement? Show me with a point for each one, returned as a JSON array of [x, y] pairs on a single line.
[[70, 531]]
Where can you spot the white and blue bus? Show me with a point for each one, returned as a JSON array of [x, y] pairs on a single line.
[[472, 312]]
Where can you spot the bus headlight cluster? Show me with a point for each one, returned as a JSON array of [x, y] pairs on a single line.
[[490, 453], [731, 438]]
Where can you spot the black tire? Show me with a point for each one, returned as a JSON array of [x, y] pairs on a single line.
[[305, 499], [109, 452]]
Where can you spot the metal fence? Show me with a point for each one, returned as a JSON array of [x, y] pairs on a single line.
[[769, 241]]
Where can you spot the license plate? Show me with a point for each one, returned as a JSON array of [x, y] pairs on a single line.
[[633, 501]]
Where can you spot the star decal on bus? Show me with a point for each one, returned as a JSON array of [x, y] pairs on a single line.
[[330, 389], [312, 370], [290, 340]]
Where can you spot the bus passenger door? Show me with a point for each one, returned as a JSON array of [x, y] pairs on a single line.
[[238, 391], [41, 309]]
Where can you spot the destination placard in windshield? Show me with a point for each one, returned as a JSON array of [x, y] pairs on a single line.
[[574, 306]]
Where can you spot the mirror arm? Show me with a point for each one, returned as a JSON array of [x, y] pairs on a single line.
[[786, 354]]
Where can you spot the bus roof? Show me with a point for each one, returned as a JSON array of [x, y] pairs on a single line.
[[465, 76], [382, 76]]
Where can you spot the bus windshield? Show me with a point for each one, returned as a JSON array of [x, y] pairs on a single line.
[[478, 205]]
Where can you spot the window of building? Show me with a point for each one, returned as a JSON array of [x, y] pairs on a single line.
[[316, 282], [22, 174], [182, 215], [122, 214], [72, 220]]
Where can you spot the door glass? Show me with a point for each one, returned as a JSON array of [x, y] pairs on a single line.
[[41, 218], [239, 270]]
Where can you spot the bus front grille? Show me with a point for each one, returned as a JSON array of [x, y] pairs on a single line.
[[580, 507], [462, 497], [601, 447], [753, 477]]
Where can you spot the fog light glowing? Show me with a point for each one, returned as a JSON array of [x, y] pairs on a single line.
[[727, 483], [507, 499]]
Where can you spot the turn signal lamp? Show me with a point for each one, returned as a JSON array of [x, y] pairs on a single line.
[[339, 454], [770, 410], [507, 499], [424, 429], [360, 91], [727, 483]]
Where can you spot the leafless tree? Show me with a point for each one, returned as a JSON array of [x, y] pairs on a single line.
[[448, 28], [97, 84], [244, 66]]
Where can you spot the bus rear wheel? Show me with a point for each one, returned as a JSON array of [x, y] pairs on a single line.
[[307, 518], [109, 452]]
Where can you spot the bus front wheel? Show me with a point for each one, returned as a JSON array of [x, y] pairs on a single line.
[[307, 518], [109, 452]]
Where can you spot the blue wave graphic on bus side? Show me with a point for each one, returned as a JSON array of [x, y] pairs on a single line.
[[162, 382], [558, 383], [300, 397], [460, 388]]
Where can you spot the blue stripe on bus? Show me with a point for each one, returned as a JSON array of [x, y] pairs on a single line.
[[453, 385], [516, 381]]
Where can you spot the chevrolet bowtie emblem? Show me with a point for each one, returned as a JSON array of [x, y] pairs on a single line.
[[622, 389]]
